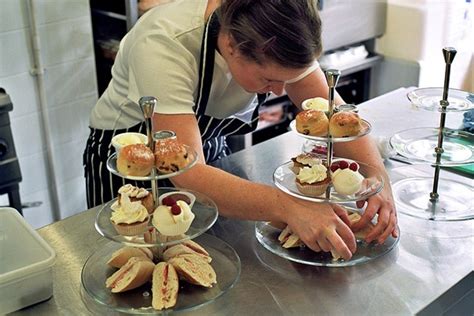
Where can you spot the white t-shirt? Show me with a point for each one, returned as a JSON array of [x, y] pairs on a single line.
[[160, 57]]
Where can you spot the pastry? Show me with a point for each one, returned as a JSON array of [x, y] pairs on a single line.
[[130, 218], [361, 234], [135, 160], [194, 269], [186, 247], [288, 239], [345, 177], [313, 181], [305, 160], [312, 123], [165, 286], [345, 124], [320, 104], [174, 219], [135, 273], [137, 194], [121, 256], [170, 155]]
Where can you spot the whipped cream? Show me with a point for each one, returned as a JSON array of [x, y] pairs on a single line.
[[169, 224], [346, 181], [129, 139], [133, 191], [318, 103], [312, 174], [128, 212]]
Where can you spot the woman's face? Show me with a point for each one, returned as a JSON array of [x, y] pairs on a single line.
[[256, 78]]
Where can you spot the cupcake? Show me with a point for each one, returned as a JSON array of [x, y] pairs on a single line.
[[313, 181], [173, 217], [130, 218]]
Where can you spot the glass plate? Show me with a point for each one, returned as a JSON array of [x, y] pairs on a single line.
[[419, 144], [366, 128], [429, 98], [204, 209], [225, 262], [412, 186], [267, 235], [284, 179], [112, 167]]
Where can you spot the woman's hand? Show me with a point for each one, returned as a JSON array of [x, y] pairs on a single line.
[[322, 226], [383, 205]]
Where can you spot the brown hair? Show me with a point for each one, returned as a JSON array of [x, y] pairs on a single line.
[[287, 32]]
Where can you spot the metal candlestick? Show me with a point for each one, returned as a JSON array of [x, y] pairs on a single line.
[[332, 77], [147, 105], [449, 53]]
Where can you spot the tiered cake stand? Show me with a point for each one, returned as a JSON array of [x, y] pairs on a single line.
[[225, 260], [433, 198], [284, 179]]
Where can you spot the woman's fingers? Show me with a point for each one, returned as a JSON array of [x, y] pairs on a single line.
[[339, 246]]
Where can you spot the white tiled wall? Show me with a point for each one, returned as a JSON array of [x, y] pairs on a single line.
[[65, 31]]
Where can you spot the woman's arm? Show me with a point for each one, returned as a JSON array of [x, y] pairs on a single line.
[[325, 229], [362, 149]]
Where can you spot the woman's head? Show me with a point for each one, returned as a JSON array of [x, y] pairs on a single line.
[[284, 32]]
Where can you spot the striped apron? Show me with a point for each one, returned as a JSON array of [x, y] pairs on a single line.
[[102, 186]]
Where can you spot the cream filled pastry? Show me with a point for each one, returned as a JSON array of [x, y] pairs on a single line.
[[135, 194], [129, 218], [172, 220], [346, 181]]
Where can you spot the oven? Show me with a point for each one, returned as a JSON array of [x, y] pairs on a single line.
[[10, 174]]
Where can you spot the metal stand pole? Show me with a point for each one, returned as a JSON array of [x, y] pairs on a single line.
[[332, 77], [147, 105], [449, 53]]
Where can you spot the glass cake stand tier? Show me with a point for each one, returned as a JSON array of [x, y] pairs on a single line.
[[412, 186], [429, 99], [285, 179], [112, 167], [204, 209], [225, 262], [418, 144], [267, 235], [366, 127]]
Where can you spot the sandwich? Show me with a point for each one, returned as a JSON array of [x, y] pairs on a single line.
[[121, 256], [186, 247], [288, 239], [361, 234], [194, 269], [136, 272], [165, 286]]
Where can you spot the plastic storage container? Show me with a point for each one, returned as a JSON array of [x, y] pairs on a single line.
[[26, 263]]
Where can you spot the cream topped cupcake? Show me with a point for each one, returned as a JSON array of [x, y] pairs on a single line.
[[347, 181], [312, 181], [173, 218], [129, 218]]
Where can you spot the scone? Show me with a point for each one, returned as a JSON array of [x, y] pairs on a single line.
[[312, 123], [170, 155], [345, 124], [165, 286], [135, 160], [137, 194]]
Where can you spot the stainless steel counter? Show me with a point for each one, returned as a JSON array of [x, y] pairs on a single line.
[[430, 258]]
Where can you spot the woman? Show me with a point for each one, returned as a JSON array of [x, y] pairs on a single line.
[[207, 62]]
